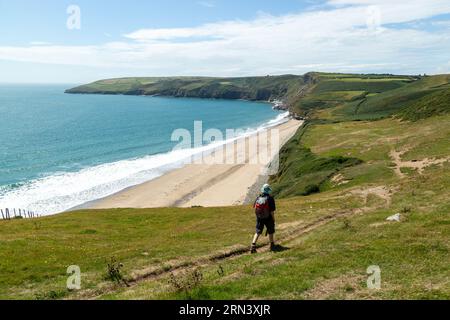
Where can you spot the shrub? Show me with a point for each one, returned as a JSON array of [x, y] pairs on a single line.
[[311, 189], [186, 283], [114, 272]]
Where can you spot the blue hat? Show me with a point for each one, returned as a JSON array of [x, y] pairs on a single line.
[[266, 189]]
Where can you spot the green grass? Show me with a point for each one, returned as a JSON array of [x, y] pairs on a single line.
[[419, 99], [374, 97], [250, 88], [302, 172], [332, 264], [435, 103], [375, 79], [35, 254], [371, 86], [350, 90], [340, 95], [331, 261]]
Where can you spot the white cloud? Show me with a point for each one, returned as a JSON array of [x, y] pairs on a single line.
[[40, 43], [336, 39], [442, 23], [207, 4]]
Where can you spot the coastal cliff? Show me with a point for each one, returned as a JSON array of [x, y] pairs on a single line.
[[281, 90], [349, 96]]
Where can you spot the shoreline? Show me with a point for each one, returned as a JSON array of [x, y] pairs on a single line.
[[276, 104], [205, 185]]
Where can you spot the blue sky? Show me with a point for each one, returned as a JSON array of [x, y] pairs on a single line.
[[220, 38], [27, 21]]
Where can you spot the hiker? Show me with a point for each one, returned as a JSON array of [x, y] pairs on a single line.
[[265, 216]]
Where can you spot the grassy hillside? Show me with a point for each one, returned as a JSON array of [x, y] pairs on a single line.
[[344, 96], [249, 88], [437, 102], [302, 172], [424, 97], [329, 90]]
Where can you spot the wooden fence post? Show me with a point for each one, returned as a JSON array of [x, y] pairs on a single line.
[[7, 214]]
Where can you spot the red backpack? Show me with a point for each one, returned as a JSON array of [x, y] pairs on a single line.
[[262, 207]]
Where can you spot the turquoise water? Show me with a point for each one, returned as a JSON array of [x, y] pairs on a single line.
[[58, 150]]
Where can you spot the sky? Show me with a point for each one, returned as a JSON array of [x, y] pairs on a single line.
[[79, 41]]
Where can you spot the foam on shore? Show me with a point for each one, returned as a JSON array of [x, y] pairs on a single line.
[[62, 191]]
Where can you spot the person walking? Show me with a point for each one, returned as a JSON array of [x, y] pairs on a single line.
[[265, 208]]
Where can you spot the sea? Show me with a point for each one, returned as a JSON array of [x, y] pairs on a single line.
[[59, 151]]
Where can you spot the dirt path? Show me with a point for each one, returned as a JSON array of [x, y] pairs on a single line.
[[419, 165], [382, 192], [289, 237]]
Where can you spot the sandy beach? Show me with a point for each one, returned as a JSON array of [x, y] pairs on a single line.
[[208, 184]]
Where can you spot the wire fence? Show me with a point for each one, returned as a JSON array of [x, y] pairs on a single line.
[[10, 214]]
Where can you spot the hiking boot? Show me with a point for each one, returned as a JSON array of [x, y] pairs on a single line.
[[253, 249], [273, 247]]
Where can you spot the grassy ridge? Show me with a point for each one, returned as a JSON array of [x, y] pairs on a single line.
[[249, 88], [434, 103], [413, 96], [302, 172], [334, 90]]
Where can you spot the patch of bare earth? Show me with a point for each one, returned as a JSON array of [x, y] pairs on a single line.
[[419, 165], [347, 286], [339, 180], [290, 225], [382, 192], [379, 224]]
